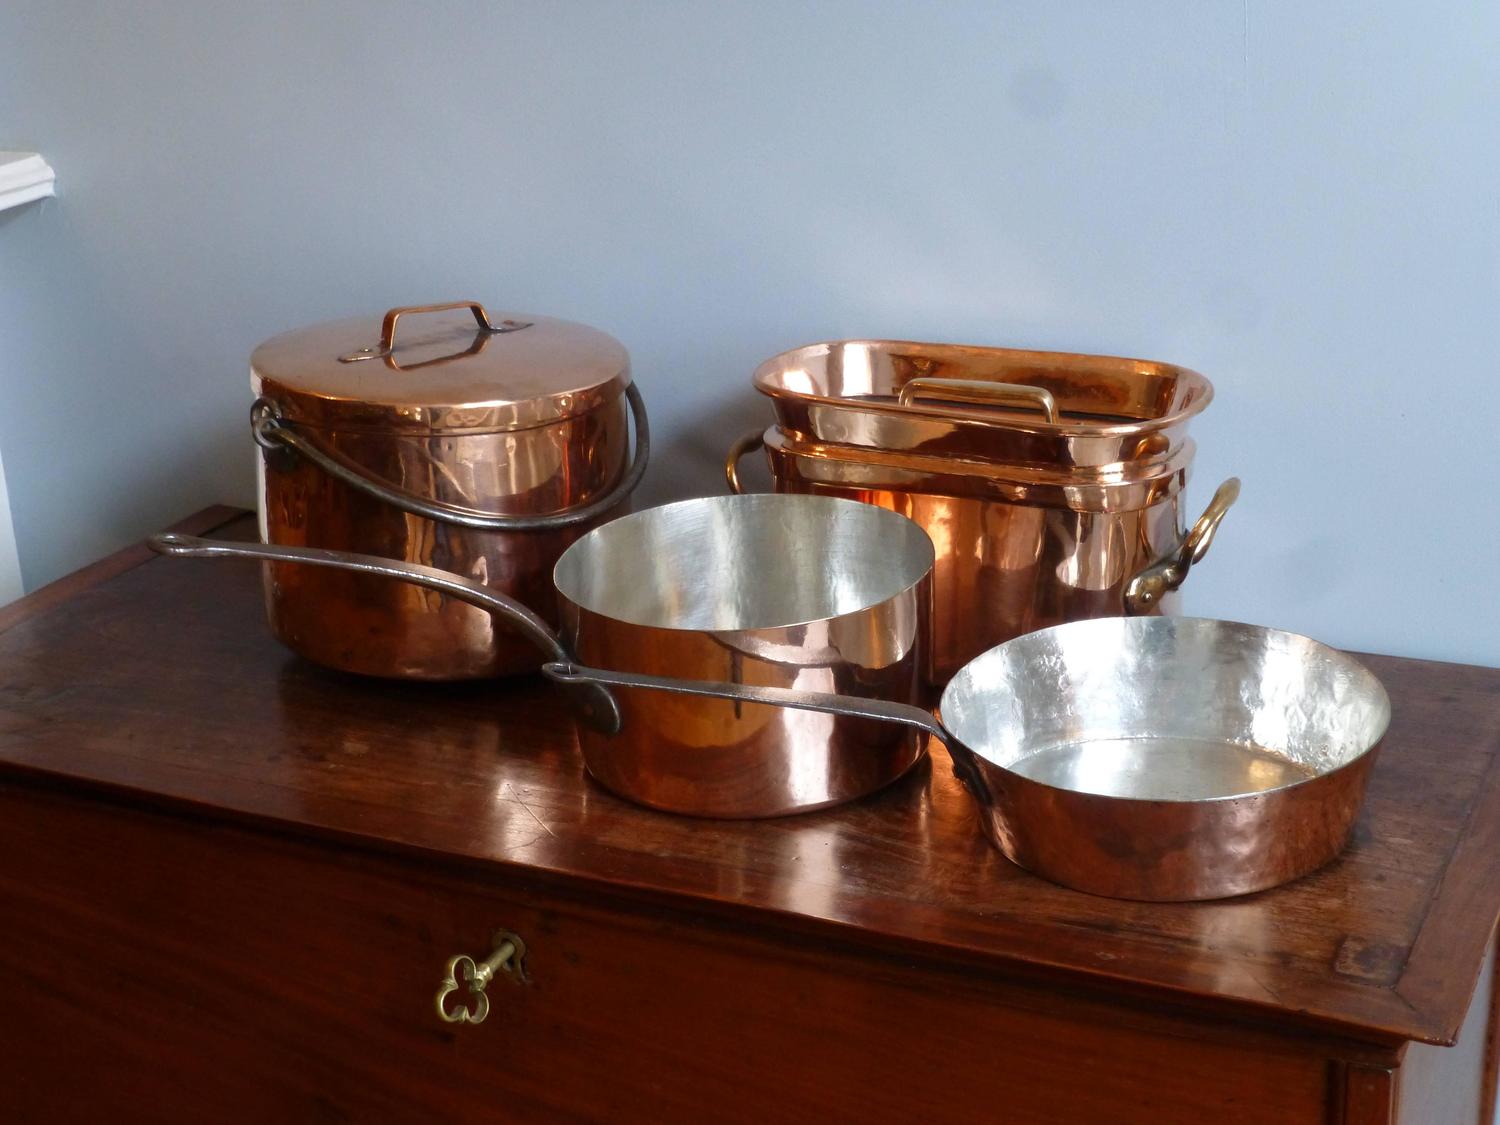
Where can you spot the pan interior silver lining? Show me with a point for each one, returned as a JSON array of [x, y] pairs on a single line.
[[1166, 708], [758, 561], [1161, 768]]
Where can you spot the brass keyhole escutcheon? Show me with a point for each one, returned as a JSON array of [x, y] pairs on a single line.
[[474, 977]]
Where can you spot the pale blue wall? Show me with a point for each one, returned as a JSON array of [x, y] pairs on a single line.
[[1300, 200]]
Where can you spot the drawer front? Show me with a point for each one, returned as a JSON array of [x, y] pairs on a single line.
[[179, 970]]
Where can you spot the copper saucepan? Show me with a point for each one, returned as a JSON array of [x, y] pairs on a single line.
[[1151, 758], [793, 592]]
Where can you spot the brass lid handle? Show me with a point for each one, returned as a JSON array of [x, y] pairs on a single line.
[[979, 392], [509, 957], [485, 327]]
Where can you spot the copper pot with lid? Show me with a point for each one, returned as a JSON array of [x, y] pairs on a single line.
[[1052, 484], [443, 436]]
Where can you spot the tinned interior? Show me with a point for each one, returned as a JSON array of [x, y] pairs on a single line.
[[1130, 683], [760, 561]]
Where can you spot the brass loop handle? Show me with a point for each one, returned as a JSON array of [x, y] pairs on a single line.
[[755, 439], [1146, 590], [388, 328], [273, 434], [1201, 537], [978, 392], [509, 958]]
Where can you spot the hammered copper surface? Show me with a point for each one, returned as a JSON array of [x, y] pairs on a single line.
[[1015, 551], [797, 592], [1112, 409], [1166, 759]]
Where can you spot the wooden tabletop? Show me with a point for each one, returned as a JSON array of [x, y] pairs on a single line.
[[158, 678]]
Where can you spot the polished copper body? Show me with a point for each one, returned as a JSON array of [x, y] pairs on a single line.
[[1016, 551], [1168, 851], [709, 757], [523, 419]]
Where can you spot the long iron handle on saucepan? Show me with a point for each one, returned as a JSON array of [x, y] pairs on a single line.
[[272, 433], [568, 674], [595, 705]]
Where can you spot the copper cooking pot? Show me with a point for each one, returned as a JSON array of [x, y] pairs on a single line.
[[443, 436], [1050, 501], [796, 592]]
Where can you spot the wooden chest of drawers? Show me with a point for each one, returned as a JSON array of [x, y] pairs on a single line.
[[231, 882]]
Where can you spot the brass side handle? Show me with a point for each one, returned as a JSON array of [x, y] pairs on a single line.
[[1145, 591], [509, 957], [749, 442]]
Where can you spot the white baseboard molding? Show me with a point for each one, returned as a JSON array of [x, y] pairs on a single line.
[[24, 176]]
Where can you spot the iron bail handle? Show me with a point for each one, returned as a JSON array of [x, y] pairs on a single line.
[[509, 958], [1146, 590], [272, 433]]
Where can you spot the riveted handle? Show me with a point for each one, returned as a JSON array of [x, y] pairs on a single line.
[[1146, 590], [388, 327], [979, 392], [509, 957], [755, 439]]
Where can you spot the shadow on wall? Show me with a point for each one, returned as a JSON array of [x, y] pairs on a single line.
[[695, 453]]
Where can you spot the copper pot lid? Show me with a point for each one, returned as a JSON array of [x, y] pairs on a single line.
[[976, 402], [440, 369]]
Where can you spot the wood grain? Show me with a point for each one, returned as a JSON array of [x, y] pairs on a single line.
[[161, 681], [222, 974]]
